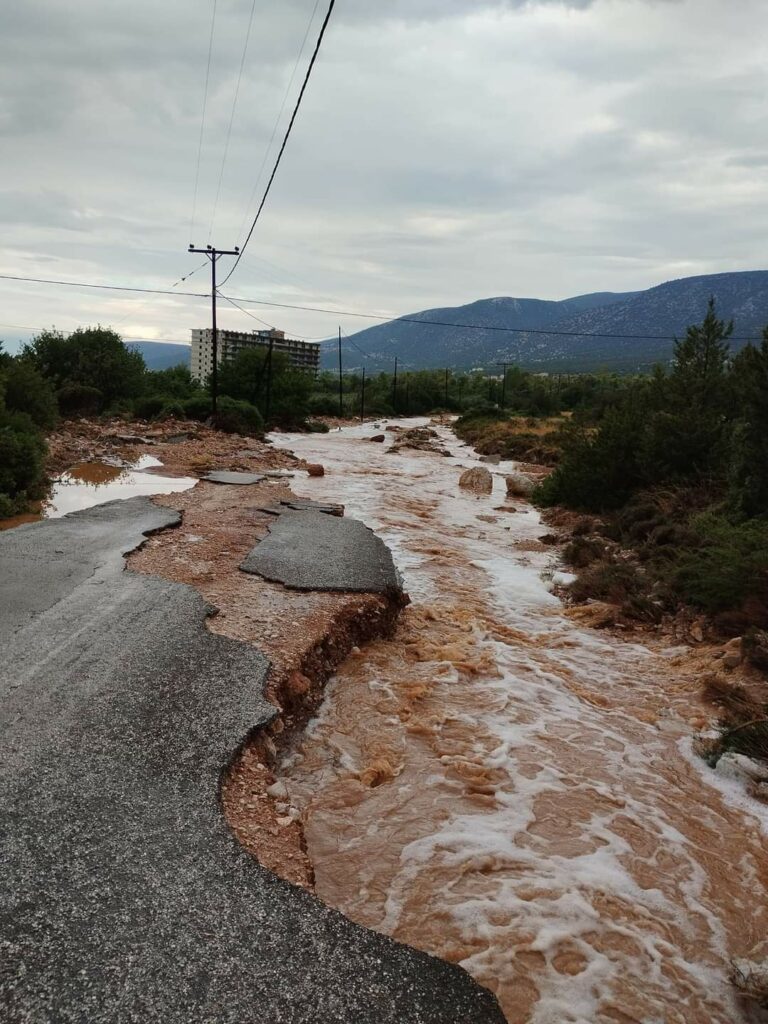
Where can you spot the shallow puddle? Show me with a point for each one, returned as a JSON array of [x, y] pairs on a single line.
[[93, 483], [504, 788]]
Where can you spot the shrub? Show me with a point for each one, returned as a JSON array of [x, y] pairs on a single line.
[[27, 391], [22, 453], [583, 551], [79, 400], [236, 417], [198, 407], [148, 406], [601, 471], [173, 410], [609, 580], [316, 427], [728, 563]]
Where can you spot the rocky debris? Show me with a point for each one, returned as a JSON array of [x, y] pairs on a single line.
[[741, 768], [519, 485], [492, 460], [183, 446], [421, 439], [477, 479], [731, 655], [315, 469], [379, 438], [750, 973], [127, 439], [597, 614], [754, 648], [549, 539]]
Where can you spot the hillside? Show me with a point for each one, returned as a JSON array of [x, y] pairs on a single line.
[[160, 355], [665, 310]]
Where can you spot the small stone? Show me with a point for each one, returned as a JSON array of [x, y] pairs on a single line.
[[315, 469], [379, 438], [278, 790]]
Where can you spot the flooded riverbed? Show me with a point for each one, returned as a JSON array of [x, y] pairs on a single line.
[[501, 787]]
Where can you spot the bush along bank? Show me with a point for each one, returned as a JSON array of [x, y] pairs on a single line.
[[674, 484]]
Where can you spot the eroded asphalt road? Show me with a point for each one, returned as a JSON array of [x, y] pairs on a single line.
[[124, 897]]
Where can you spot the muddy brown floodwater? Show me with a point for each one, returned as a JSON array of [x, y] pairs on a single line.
[[503, 788]]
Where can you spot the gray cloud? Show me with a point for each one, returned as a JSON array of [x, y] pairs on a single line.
[[447, 150]]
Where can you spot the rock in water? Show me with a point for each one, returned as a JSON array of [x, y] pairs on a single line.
[[750, 973], [315, 469], [519, 485], [477, 479]]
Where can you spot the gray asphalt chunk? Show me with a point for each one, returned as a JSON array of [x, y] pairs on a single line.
[[301, 505], [124, 898], [314, 551], [231, 477]]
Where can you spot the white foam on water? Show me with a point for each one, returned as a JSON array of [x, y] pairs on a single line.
[[598, 832]]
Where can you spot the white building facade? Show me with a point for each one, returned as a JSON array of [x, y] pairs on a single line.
[[304, 355]]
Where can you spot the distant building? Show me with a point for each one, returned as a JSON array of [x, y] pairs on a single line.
[[304, 355]]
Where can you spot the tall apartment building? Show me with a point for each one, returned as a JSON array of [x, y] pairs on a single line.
[[304, 355]]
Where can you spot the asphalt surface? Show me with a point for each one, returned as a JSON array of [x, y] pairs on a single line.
[[309, 550], [123, 896], [225, 476]]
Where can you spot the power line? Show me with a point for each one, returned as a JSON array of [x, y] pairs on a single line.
[[353, 313], [285, 138], [247, 312], [202, 122], [190, 274], [356, 346], [134, 337], [278, 119], [232, 118]]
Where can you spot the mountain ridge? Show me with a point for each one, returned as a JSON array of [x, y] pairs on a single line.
[[598, 321]]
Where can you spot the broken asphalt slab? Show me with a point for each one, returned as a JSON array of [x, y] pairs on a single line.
[[124, 897], [301, 505], [221, 476], [309, 550]]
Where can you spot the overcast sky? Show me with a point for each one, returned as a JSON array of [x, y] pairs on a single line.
[[447, 150]]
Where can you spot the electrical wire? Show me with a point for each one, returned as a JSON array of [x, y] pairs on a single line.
[[363, 316], [232, 118], [202, 123], [278, 119], [246, 311], [134, 337], [190, 274], [288, 130], [355, 345]]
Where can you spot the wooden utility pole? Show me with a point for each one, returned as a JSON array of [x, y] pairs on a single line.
[[394, 388], [362, 398], [214, 255], [268, 403], [504, 382], [341, 384]]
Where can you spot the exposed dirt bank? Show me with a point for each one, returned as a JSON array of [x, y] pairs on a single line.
[[183, 446]]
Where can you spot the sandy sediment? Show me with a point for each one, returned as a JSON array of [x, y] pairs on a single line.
[[305, 634]]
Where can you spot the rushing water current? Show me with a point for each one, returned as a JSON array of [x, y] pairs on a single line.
[[504, 788]]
